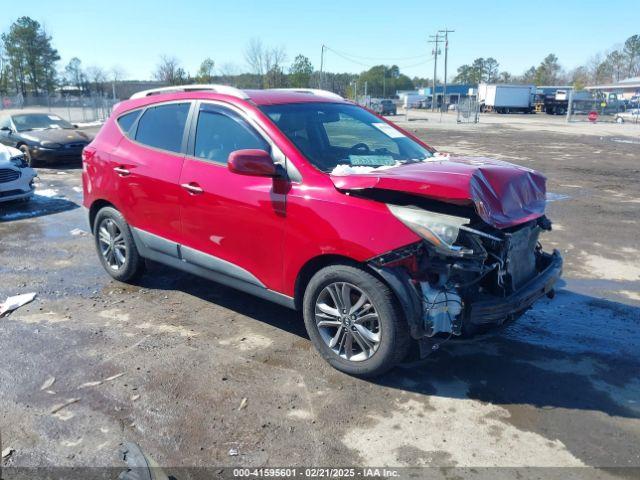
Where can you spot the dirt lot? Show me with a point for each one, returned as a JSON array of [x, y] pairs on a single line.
[[169, 362]]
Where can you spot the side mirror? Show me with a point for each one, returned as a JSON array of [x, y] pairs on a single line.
[[257, 163]]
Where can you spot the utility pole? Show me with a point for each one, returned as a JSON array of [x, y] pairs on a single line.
[[446, 55], [435, 39], [321, 67]]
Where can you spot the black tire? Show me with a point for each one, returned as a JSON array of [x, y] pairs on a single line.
[[133, 264], [394, 336], [27, 155]]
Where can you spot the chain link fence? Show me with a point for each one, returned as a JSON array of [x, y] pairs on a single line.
[[468, 110], [75, 109]]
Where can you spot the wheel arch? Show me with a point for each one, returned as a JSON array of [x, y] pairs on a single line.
[[315, 264], [95, 207]]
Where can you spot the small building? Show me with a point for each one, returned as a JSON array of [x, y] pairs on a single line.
[[625, 89], [454, 92]]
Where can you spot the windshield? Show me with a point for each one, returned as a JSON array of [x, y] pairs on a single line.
[[332, 135], [39, 121]]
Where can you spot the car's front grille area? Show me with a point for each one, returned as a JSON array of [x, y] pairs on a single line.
[[10, 193], [70, 146], [8, 175], [521, 258]]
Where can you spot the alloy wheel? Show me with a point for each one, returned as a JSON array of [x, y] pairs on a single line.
[[112, 244], [348, 321]]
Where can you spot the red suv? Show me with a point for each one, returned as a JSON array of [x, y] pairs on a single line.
[[305, 199]]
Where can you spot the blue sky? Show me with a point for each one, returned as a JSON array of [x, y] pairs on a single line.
[[133, 34]]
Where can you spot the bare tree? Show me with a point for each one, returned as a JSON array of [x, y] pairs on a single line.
[[97, 77], [170, 71], [228, 69], [117, 73], [254, 54]]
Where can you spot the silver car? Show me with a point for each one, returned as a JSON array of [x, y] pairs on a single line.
[[632, 116], [16, 177]]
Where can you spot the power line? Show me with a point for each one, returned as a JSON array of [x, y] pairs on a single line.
[[400, 67], [378, 58]]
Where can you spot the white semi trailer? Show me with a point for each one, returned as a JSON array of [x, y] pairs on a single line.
[[506, 98]]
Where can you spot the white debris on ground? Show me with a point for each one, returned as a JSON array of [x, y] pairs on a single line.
[[47, 192], [76, 232], [15, 302]]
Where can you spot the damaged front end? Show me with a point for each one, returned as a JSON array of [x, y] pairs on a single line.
[[466, 274]]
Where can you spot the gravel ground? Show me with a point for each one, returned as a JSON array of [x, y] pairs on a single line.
[[193, 371]]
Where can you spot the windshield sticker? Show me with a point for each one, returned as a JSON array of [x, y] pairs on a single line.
[[53, 117], [371, 160], [388, 130]]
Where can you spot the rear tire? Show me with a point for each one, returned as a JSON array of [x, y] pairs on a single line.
[[370, 336], [115, 246]]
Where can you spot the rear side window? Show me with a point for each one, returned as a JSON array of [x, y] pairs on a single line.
[[127, 120], [218, 134], [163, 126]]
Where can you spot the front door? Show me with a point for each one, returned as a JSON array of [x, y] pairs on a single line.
[[236, 221]]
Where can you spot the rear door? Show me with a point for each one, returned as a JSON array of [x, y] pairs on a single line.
[[236, 221], [147, 165]]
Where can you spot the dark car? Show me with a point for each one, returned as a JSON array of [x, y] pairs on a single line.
[[43, 137], [385, 107]]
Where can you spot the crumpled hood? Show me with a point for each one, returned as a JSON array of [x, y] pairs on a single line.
[[7, 153], [503, 194]]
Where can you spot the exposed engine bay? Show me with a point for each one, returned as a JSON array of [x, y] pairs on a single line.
[[465, 274]]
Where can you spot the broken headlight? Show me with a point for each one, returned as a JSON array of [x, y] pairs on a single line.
[[19, 161], [436, 228]]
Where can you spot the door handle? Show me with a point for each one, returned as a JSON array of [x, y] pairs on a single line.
[[123, 172], [193, 188]]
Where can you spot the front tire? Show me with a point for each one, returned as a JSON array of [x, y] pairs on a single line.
[[354, 321], [115, 246]]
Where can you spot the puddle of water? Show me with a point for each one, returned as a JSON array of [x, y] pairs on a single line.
[[577, 323], [626, 140], [555, 197]]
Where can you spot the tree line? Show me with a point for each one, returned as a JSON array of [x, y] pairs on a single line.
[[615, 65], [267, 69], [29, 66]]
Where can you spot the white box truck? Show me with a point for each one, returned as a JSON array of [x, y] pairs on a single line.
[[506, 98]]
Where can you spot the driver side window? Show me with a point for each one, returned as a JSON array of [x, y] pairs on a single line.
[[218, 134]]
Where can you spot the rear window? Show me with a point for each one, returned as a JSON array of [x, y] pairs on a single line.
[[127, 120], [163, 126]]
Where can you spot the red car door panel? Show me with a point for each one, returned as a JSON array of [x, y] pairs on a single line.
[[148, 170], [236, 221]]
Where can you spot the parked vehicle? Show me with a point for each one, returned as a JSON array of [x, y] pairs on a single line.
[[631, 116], [42, 137], [384, 107], [505, 98], [557, 102], [305, 199], [16, 177]]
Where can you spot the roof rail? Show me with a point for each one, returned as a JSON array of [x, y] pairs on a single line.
[[312, 91], [223, 89]]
